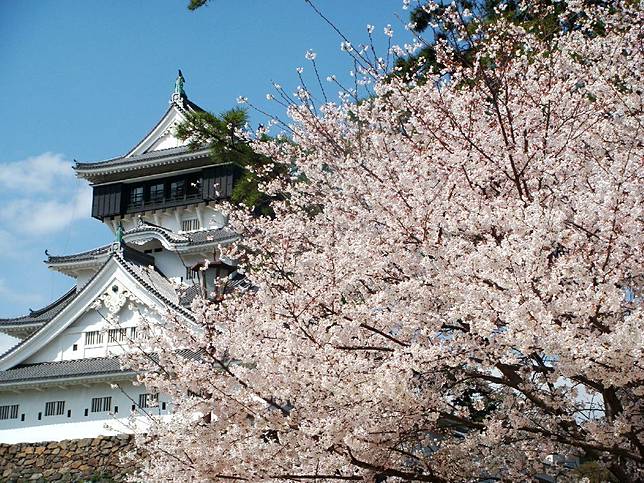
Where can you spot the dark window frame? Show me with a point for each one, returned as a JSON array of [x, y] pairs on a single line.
[[54, 408]]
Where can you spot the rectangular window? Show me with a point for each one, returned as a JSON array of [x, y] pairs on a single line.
[[132, 333], [190, 225], [101, 404], [177, 190], [156, 193], [136, 195], [9, 412], [54, 408], [116, 335], [93, 338], [148, 400]]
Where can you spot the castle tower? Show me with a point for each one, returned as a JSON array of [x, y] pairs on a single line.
[[63, 379]]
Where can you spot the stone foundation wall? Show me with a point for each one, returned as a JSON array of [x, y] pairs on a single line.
[[90, 459]]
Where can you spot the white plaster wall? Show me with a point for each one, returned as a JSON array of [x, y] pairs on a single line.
[[170, 264], [166, 142], [208, 216], [77, 399], [62, 347]]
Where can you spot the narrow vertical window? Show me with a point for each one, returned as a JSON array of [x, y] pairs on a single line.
[[101, 404], [9, 411], [54, 408], [116, 335], [156, 193], [94, 337], [148, 400], [190, 224], [136, 196], [177, 190]]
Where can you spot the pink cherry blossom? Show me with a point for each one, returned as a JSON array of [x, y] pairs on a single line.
[[449, 288]]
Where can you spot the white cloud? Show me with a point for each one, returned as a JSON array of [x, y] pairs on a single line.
[[38, 174], [41, 195], [9, 245], [14, 296], [41, 216]]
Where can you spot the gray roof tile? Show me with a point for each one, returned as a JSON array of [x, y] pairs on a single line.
[[76, 369], [62, 369], [181, 153], [183, 240]]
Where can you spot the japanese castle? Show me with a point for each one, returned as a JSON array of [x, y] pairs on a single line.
[[63, 379]]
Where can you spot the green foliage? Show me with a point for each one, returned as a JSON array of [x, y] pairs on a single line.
[[482, 13], [220, 133], [195, 4]]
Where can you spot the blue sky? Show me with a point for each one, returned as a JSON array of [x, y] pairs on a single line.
[[85, 80]]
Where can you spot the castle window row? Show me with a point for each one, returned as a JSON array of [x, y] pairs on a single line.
[[171, 190], [114, 336], [98, 405], [9, 411], [209, 184]]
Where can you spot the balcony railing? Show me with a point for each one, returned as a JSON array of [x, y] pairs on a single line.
[[165, 202]]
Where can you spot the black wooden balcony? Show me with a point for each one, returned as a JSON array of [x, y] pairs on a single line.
[[169, 201], [206, 185]]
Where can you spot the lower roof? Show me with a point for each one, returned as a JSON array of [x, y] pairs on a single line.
[[61, 372], [77, 371], [179, 241], [25, 324]]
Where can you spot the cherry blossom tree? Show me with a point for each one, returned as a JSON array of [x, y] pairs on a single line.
[[449, 287]]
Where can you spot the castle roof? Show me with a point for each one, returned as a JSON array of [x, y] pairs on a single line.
[[157, 152], [139, 164], [24, 325], [148, 278], [42, 374], [94, 369], [181, 242]]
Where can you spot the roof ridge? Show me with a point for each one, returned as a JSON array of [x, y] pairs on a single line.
[[96, 250], [49, 363], [177, 307], [78, 292]]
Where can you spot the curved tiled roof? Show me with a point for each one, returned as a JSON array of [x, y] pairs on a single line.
[[179, 105], [157, 284], [78, 257], [152, 280], [180, 240], [62, 369], [43, 315], [184, 152], [75, 369], [185, 106]]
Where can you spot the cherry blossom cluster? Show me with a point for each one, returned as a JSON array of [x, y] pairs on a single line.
[[449, 288]]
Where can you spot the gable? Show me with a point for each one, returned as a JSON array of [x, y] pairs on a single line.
[[96, 300], [103, 330], [162, 135]]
